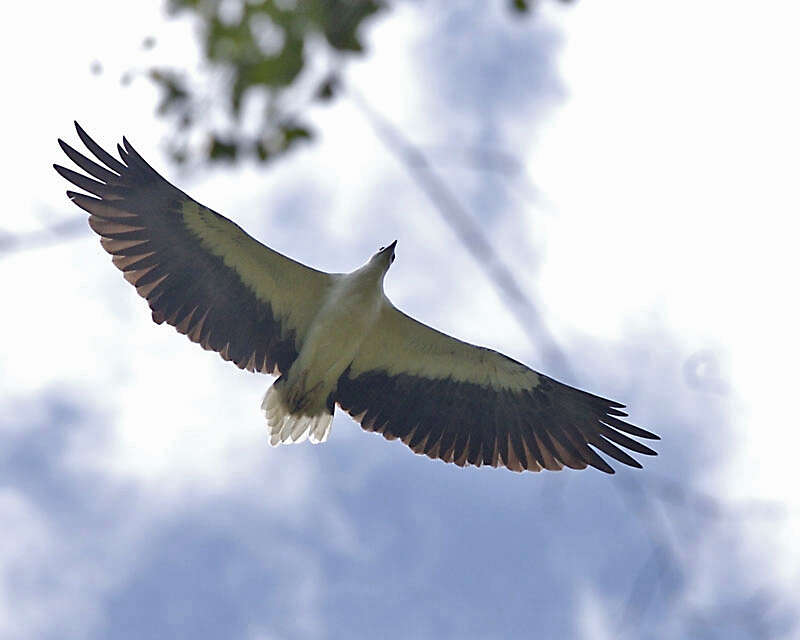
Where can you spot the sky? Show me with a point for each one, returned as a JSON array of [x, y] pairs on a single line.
[[650, 216]]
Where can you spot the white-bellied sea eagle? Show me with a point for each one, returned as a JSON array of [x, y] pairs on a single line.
[[334, 338]]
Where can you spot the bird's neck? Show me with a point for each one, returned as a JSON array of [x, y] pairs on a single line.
[[368, 277]]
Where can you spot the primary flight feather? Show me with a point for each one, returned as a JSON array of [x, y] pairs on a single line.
[[334, 338]]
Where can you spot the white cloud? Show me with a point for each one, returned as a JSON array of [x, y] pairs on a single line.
[[44, 579], [672, 167]]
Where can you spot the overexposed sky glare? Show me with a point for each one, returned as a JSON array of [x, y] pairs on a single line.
[[675, 161]]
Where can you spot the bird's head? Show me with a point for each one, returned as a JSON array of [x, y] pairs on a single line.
[[384, 257]]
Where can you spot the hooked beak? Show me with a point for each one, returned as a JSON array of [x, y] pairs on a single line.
[[389, 249]]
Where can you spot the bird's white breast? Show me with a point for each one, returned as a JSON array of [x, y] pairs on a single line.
[[344, 318]]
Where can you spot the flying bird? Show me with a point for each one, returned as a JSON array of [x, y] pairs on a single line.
[[334, 338]]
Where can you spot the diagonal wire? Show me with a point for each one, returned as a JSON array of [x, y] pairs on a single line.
[[469, 233]]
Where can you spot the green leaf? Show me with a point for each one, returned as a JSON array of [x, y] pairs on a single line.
[[174, 94], [259, 45], [294, 133], [327, 88], [340, 20], [276, 71], [222, 149]]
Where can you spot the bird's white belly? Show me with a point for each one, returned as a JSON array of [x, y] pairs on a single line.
[[330, 345]]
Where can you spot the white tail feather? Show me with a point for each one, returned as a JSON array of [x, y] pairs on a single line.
[[285, 427], [320, 428]]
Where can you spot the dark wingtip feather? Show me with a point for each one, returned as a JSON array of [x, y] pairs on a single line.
[[598, 463], [81, 131], [101, 154], [627, 427], [599, 442], [66, 148], [82, 182], [624, 441], [83, 201], [62, 171], [92, 168], [134, 155]]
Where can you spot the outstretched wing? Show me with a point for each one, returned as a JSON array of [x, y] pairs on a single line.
[[471, 405], [198, 271]]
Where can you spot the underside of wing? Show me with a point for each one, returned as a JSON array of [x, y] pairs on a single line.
[[198, 271], [473, 406]]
